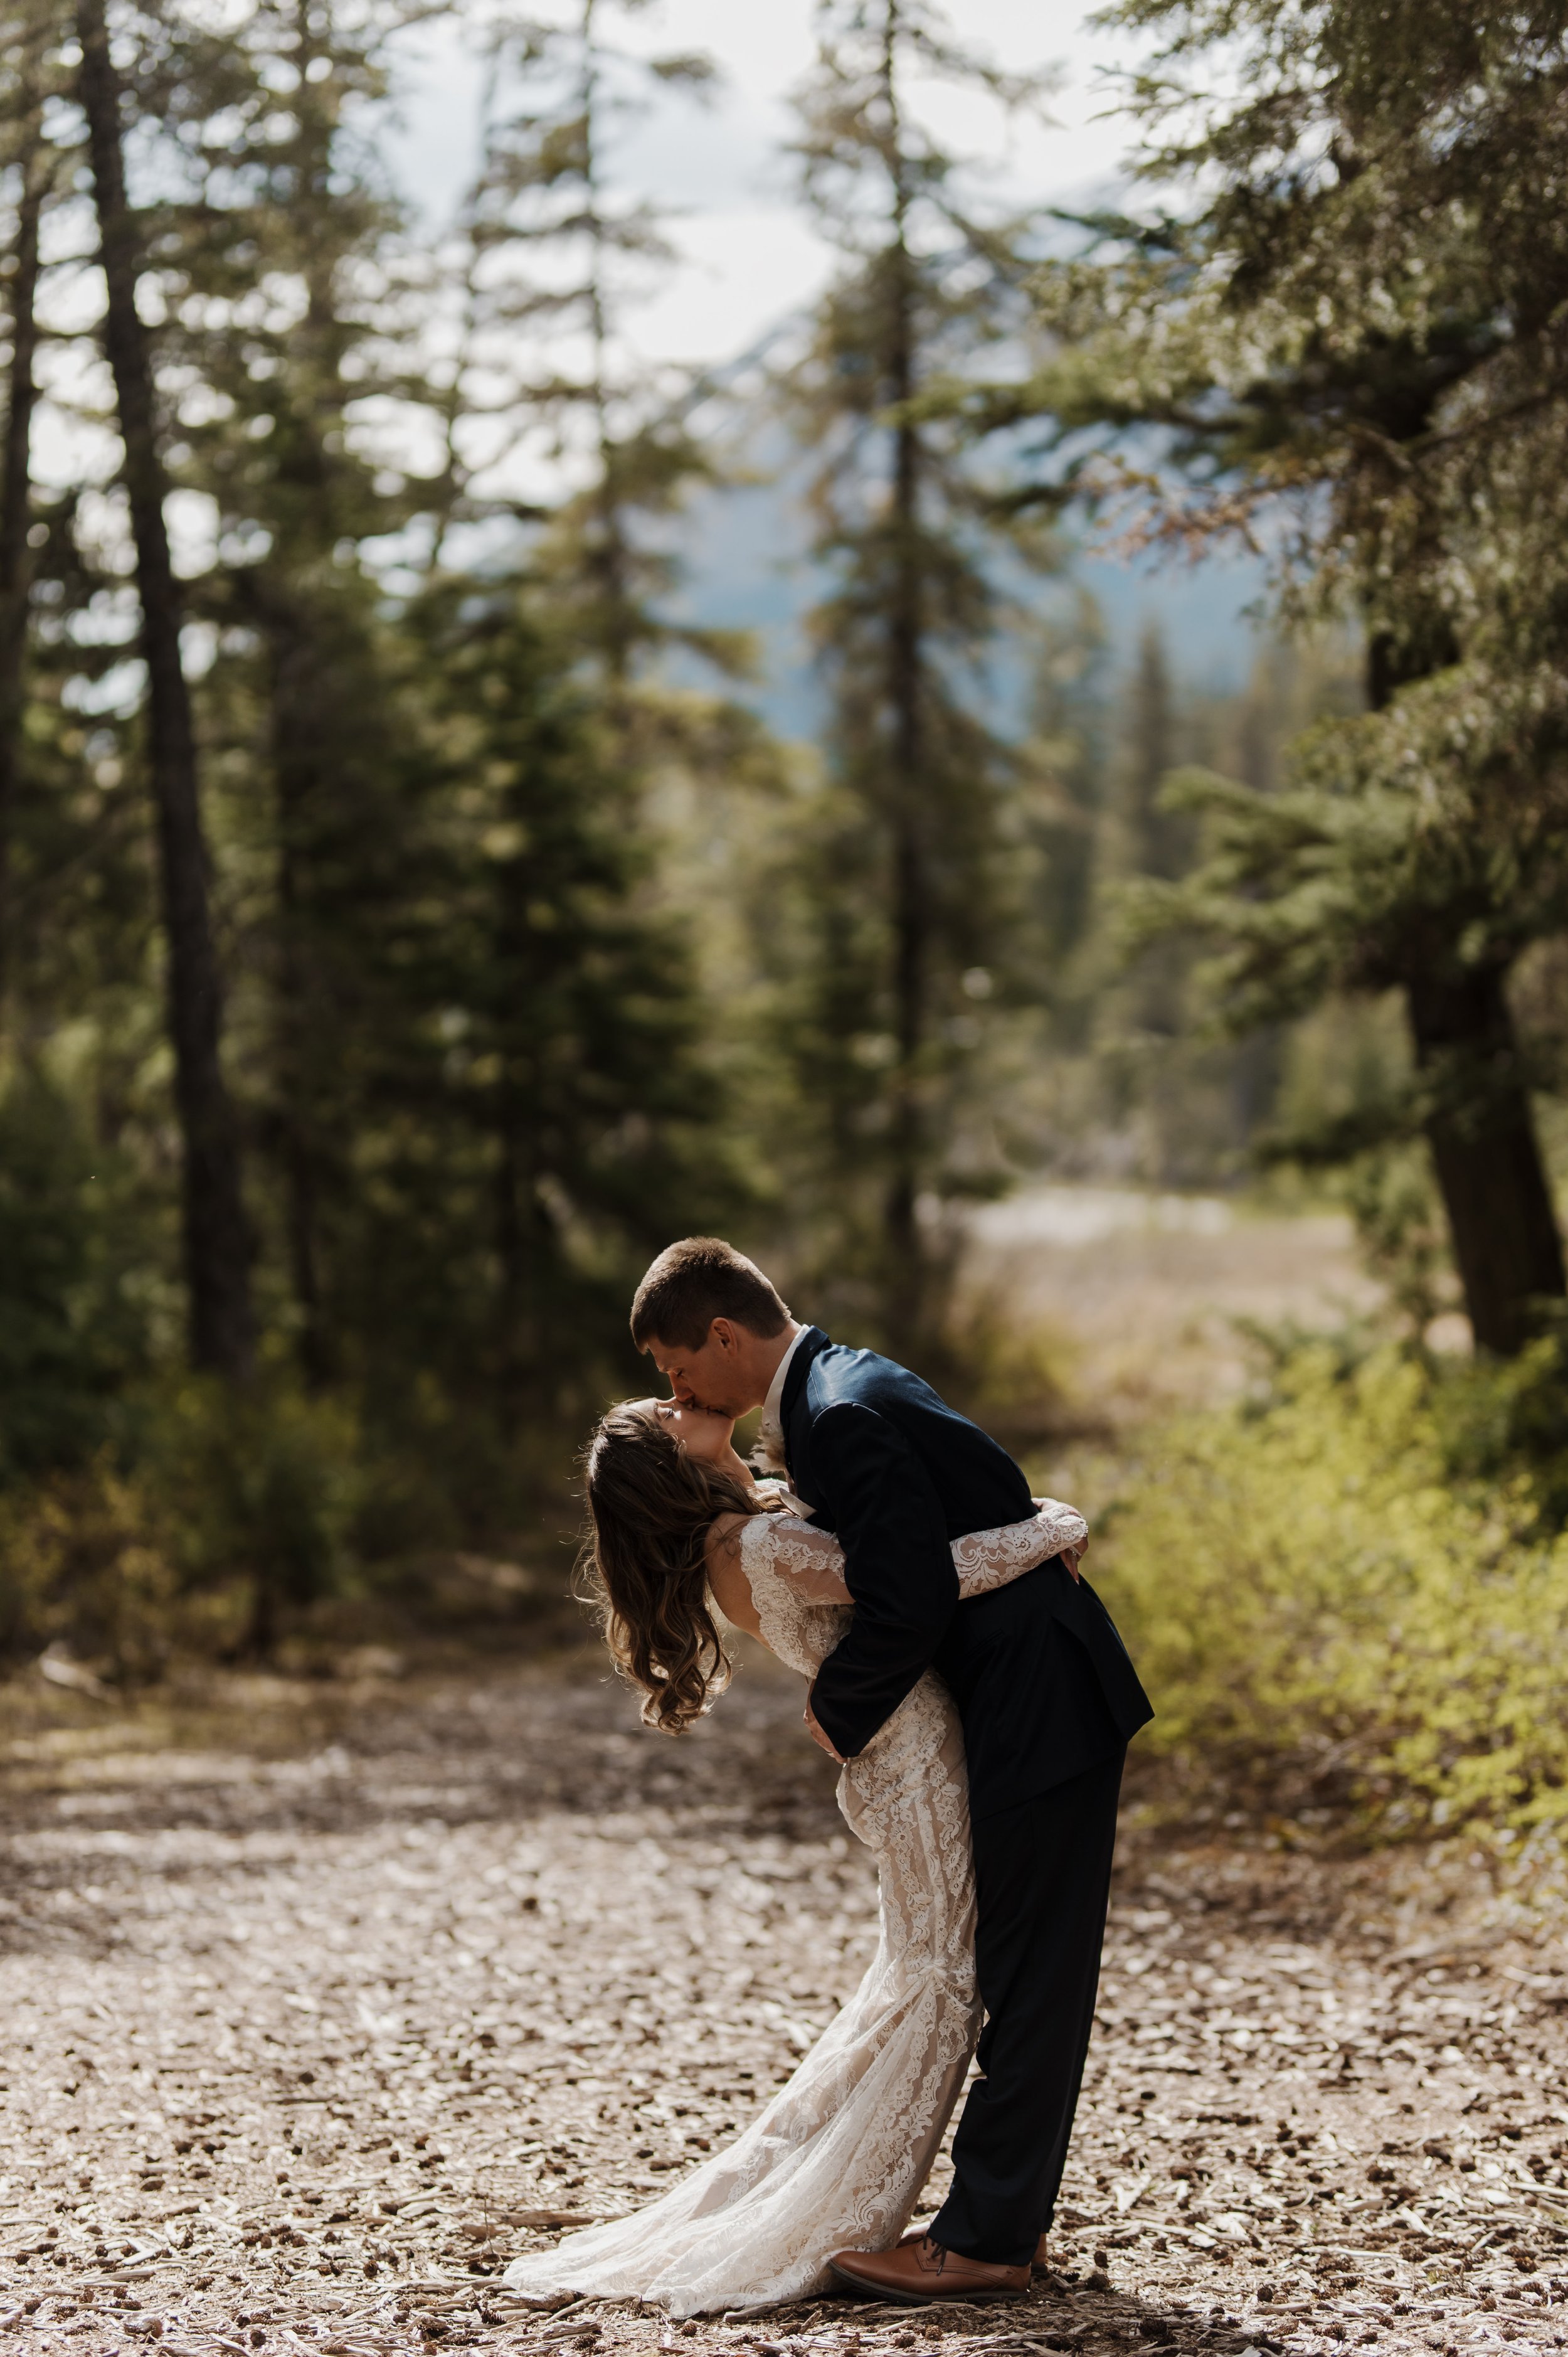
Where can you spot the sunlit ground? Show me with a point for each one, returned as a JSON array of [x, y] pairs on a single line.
[[325, 1996]]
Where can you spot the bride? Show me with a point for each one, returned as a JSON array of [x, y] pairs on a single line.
[[685, 1540]]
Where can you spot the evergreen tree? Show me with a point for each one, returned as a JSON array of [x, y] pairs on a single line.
[[280, 255], [553, 257], [463, 1036], [906, 869], [568, 1047], [590, 1123], [1355, 335], [1068, 750], [1158, 839]]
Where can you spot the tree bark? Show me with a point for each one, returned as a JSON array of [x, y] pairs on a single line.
[[216, 1235], [522, 1241], [1487, 1156], [304, 698], [517, 1257], [294, 744], [15, 516], [1481, 1132], [905, 1289]]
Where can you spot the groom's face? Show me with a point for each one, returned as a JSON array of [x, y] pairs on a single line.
[[716, 1375]]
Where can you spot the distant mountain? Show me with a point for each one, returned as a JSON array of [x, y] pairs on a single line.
[[744, 551]]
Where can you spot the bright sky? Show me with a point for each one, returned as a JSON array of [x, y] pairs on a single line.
[[749, 257]]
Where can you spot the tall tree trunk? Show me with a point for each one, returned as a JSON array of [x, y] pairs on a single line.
[[302, 739], [294, 764], [216, 1236], [522, 1241], [517, 1242], [609, 553], [15, 515], [907, 1288], [1486, 1155], [303, 695], [1481, 1131]]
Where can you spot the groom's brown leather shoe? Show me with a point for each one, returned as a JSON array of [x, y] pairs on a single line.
[[920, 2270]]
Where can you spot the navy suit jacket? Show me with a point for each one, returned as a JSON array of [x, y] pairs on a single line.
[[1043, 1683]]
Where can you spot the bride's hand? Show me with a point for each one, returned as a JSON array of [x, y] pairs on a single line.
[[1074, 1551]]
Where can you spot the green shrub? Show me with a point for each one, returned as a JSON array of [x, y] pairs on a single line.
[[1311, 1585], [85, 1561], [259, 1488], [74, 1297]]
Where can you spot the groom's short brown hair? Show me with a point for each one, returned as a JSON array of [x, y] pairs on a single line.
[[692, 1283]]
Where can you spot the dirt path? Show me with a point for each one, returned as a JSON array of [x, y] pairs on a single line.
[[319, 2006]]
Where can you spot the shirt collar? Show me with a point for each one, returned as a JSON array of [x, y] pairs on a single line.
[[773, 1402]]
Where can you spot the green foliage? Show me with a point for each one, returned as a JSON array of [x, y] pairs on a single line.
[[1349, 341], [901, 876], [555, 1036], [219, 1515], [534, 956], [256, 1489], [459, 1024], [74, 1307], [1383, 855], [1353, 1588], [85, 1563], [1127, 1077]]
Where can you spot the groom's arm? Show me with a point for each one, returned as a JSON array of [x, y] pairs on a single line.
[[898, 1568]]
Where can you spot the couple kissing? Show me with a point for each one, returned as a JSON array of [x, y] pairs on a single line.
[[976, 1692]]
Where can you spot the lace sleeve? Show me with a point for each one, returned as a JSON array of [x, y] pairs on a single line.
[[810, 1561], [988, 1559], [796, 1578]]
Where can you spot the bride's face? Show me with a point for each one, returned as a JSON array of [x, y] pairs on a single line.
[[699, 1432]]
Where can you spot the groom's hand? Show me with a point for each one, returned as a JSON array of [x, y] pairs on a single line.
[[820, 1738]]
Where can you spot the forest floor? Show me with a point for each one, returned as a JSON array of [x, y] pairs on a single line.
[[323, 2000]]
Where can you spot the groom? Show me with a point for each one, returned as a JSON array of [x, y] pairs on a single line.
[[1043, 1684]]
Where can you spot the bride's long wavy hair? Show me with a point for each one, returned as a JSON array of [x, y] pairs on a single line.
[[650, 1508]]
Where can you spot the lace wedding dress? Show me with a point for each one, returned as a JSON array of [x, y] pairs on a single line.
[[838, 2156]]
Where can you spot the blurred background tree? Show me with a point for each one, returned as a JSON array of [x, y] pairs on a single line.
[[899, 895], [1349, 353]]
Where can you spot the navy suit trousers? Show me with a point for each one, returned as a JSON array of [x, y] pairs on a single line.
[[1043, 1881]]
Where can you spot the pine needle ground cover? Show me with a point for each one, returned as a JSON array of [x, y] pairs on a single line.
[[321, 2008], [1325, 1611]]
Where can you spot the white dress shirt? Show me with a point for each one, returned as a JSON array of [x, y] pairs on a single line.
[[771, 1431]]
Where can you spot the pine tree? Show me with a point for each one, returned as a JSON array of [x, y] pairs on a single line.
[[553, 259], [1353, 334], [1069, 750], [1159, 840], [564, 648], [910, 850], [281, 254], [569, 1050]]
